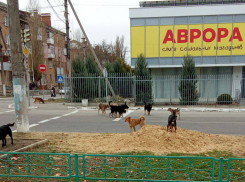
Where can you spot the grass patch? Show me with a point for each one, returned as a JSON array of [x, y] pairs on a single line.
[[181, 167]]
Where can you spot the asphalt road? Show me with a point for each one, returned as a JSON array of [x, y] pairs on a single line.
[[56, 117]]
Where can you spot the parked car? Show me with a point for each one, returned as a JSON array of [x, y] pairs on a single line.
[[64, 90]]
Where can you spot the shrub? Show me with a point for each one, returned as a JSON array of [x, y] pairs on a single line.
[[224, 99], [188, 83]]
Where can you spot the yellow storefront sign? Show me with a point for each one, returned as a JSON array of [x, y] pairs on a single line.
[[196, 40]]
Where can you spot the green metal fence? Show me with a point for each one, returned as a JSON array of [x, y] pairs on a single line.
[[173, 89], [121, 167]]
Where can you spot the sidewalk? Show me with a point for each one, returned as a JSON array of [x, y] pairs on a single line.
[[165, 108]]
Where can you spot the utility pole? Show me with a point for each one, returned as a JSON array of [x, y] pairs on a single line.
[[68, 46], [1, 57], [92, 50], [18, 68]]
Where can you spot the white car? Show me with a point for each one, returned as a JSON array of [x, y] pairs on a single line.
[[64, 90]]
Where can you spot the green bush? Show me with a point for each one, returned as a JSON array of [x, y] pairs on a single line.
[[224, 99]]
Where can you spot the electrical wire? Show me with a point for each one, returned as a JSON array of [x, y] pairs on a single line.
[[55, 11]]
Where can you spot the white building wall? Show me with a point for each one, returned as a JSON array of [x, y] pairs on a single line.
[[237, 81], [174, 11]]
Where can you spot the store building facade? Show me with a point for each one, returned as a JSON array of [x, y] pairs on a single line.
[[213, 34]]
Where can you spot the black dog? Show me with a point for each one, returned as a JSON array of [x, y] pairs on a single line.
[[147, 108], [172, 121], [4, 131], [117, 109]]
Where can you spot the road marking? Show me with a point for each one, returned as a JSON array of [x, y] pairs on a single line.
[[56, 117], [11, 105], [47, 120], [9, 111], [74, 112], [124, 115], [32, 125], [118, 119], [6, 111], [44, 121]]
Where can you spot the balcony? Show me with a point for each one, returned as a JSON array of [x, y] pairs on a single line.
[[50, 40], [51, 55]]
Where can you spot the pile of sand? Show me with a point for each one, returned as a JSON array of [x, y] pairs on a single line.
[[150, 138]]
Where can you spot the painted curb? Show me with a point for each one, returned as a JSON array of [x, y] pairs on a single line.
[[34, 145], [165, 109], [83, 108]]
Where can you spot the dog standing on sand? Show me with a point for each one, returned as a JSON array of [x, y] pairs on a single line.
[[177, 111], [134, 122], [172, 121]]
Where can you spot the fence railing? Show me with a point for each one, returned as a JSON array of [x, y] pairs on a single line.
[[121, 167], [201, 89]]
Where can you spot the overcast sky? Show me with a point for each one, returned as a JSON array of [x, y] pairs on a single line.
[[101, 19]]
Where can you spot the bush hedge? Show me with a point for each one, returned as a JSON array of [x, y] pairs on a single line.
[[224, 99]]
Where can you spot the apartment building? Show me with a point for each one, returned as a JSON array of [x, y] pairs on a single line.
[[46, 46]]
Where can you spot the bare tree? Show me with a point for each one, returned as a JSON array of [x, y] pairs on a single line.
[[37, 56], [33, 5], [110, 52], [119, 49], [77, 35]]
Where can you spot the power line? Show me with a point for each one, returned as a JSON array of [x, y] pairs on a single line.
[[90, 5], [55, 11], [57, 4]]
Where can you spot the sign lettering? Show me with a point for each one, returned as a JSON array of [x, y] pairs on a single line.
[[223, 39], [182, 36]]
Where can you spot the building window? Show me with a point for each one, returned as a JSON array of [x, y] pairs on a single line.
[[7, 40], [57, 39], [51, 79], [6, 23], [50, 63]]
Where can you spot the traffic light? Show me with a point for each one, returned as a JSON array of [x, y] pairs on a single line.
[[27, 35], [22, 38]]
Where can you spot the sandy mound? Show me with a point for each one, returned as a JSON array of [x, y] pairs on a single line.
[[150, 138]]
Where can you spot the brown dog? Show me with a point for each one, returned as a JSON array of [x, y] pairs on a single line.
[[38, 99], [134, 122], [103, 108], [177, 111]]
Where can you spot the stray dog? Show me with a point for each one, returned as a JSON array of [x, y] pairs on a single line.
[[134, 122], [147, 108], [121, 113], [4, 131], [103, 108], [172, 121], [38, 99], [177, 111], [117, 109]]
